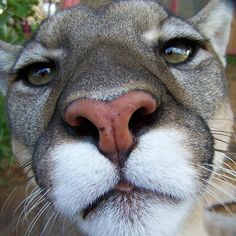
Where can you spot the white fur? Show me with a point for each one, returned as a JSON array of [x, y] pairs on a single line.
[[153, 218], [20, 87], [7, 59], [161, 162], [152, 36], [176, 28], [81, 174], [172, 28], [37, 53]]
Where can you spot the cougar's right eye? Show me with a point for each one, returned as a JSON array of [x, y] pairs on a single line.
[[177, 51], [38, 74]]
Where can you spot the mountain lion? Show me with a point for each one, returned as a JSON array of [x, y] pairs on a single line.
[[122, 115]]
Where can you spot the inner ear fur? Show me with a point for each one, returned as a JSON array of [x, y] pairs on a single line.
[[214, 22], [8, 55]]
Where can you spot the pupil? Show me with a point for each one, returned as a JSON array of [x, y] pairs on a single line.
[[169, 51], [43, 72]]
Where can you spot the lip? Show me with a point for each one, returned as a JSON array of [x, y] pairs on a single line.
[[129, 190]]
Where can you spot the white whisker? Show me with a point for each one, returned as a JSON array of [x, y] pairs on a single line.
[[6, 203], [219, 188], [216, 197], [37, 203], [25, 199], [221, 175], [46, 225], [36, 218], [232, 173], [24, 213], [53, 222]]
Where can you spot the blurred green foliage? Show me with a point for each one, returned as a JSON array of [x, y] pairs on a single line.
[[231, 60], [13, 13]]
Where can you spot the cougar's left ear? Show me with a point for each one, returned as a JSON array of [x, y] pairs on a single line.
[[214, 21], [8, 55]]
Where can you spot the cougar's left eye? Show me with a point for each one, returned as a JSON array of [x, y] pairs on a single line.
[[176, 52], [40, 74]]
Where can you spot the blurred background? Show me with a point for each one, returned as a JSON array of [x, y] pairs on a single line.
[[19, 19]]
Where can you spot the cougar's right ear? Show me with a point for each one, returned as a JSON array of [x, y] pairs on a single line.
[[8, 55], [214, 21]]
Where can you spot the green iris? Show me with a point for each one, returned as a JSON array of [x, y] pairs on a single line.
[[176, 52], [40, 75]]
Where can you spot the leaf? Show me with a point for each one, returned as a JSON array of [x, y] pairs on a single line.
[[22, 10]]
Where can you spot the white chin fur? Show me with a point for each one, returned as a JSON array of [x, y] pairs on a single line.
[[161, 162], [152, 217]]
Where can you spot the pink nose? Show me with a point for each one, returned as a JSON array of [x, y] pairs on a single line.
[[111, 119]]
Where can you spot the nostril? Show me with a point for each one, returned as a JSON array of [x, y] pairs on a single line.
[[141, 118], [79, 120], [82, 127]]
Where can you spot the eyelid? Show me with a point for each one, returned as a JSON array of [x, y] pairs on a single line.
[[193, 42], [36, 53], [31, 65]]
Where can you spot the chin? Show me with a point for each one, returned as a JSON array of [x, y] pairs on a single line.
[[134, 214]]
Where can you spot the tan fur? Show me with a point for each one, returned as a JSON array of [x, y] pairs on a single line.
[[106, 55]]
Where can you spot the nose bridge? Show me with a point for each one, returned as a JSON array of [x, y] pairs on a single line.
[[106, 81], [104, 75]]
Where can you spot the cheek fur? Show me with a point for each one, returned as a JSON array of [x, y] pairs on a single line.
[[163, 162], [79, 176]]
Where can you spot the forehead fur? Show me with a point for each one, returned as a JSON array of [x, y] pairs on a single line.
[[121, 16], [79, 29]]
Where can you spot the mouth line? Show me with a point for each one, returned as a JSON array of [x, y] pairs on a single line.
[[91, 207], [166, 198]]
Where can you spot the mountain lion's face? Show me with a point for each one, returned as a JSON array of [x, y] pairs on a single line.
[[119, 110]]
